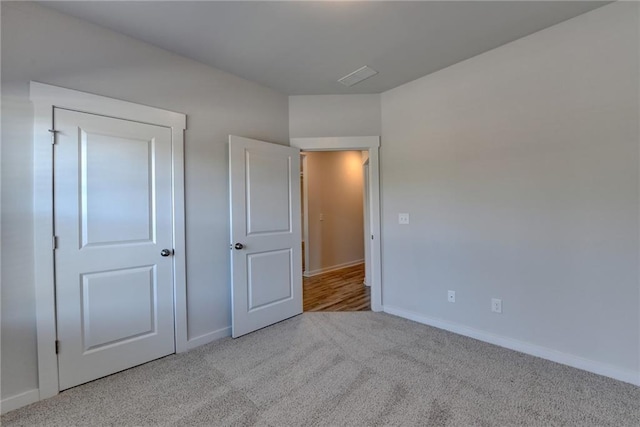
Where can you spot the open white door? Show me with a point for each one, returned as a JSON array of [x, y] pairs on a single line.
[[266, 259]]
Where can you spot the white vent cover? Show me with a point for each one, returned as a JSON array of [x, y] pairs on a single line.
[[357, 76]]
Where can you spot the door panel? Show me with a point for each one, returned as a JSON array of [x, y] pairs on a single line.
[[115, 207], [268, 194], [269, 277], [265, 220], [114, 291], [132, 290]]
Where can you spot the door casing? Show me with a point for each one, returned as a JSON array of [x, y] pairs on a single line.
[[367, 227], [360, 143], [44, 98], [304, 185]]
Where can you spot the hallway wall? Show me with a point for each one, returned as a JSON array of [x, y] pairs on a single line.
[[335, 209]]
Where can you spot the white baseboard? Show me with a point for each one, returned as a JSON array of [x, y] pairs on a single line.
[[208, 337], [523, 347], [32, 396], [332, 268], [19, 400]]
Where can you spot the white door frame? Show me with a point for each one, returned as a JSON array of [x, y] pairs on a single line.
[[367, 218], [305, 210], [45, 98], [359, 143]]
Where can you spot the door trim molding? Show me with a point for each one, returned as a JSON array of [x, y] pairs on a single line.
[[361, 143], [44, 98], [305, 212]]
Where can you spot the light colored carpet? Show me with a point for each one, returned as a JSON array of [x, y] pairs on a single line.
[[344, 369]]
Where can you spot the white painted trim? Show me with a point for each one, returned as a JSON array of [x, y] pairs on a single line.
[[179, 241], [19, 400], [305, 209], [376, 285], [43, 230], [209, 337], [104, 106], [523, 347], [333, 268], [336, 143], [45, 98], [360, 143], [367, 219]]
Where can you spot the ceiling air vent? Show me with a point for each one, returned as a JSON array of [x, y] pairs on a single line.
[[357, 76]]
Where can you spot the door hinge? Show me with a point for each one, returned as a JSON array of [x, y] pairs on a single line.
[[57, 346], [53, 136], [54, 242], [372, 237]]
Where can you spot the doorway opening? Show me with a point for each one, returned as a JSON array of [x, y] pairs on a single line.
[[370, 144], [335, 217]]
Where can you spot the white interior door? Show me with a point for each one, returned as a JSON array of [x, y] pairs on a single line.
[[266, 262], [114, 288]]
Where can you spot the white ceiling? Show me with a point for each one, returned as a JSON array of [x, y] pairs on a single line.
[[304, 47]]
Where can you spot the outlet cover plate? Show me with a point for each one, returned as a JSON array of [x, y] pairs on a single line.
[[496, 305], [451, 296], [403, 218]]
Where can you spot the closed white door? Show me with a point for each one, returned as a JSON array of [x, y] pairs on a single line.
[[113, 261], [266, 259]]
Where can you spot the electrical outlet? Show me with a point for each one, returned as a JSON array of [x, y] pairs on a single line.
[[496, 305], [403, 218], [451, 296]]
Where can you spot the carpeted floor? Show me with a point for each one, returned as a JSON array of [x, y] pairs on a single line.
[[343, 369]]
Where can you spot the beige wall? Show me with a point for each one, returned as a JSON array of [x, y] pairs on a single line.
[[46, 46], [519, 168], [335, 191]]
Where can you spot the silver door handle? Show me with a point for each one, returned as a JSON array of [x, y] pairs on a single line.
[[166, 252], [238, 246]]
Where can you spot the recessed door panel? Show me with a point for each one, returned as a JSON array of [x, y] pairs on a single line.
[[270, 279], [268, 194], [130, 293], [116, 186], [114, 290]]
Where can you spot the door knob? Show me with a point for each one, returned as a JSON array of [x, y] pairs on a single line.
[[238, 246], [165, 252]]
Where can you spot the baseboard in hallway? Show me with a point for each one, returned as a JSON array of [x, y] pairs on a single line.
[[342, 266], [338, 290]]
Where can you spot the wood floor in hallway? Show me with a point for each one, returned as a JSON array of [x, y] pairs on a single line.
[[340, 290]]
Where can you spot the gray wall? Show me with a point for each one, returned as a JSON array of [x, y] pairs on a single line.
[[42, 45], [334, 115], [519, 168]]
